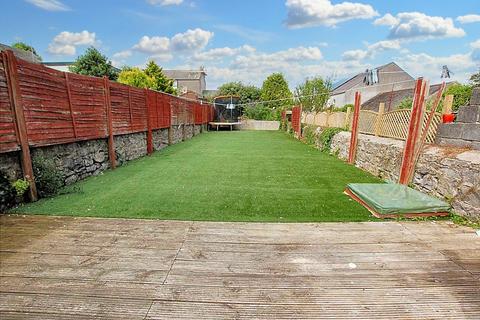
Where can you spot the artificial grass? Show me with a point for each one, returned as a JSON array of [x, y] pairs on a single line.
[[222, 176]]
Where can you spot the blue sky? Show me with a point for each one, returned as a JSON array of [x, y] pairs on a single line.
[[249, 39]]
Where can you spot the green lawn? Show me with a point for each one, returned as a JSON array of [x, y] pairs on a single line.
[[227, 176]]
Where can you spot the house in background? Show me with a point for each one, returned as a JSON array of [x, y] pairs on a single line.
[[376, 81], [392, 99], [63, 65], [188, 80], [21, 54]]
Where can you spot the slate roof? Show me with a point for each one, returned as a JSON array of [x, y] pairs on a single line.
[[393, 98], [21, 54]]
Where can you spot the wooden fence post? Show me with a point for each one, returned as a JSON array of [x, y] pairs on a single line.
[[328, 119], [347, 117], [148, 106], [108, 107], [447, 104], [378, 121], [170, 129], [130, 107], [414, 128], [19, 118], [354, 136]]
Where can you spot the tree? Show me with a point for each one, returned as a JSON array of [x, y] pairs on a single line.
[[25, 47], [135, 77], [159, 80], [246, 93], [275, 87], [475, 79], [461, 95], [151, 77], [93, 63], [313, 94]]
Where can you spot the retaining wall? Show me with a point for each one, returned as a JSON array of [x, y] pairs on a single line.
[[82, 159], [259, 125], [451, 174]]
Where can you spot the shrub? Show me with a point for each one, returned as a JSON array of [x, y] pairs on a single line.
[[47, 178], [260, 112], [7, 193], [326, 137], [309, 134], [21, 186], [344, 108]]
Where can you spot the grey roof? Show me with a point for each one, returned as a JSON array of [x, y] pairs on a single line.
[[184, 74], [358, 79], [21, 54]]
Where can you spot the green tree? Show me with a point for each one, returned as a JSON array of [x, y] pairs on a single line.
[[25, 47], [314, 93], [93, 63], [275, 87], [461, 95], [246, 93], [475, 79], [159, 79], [135, 77]]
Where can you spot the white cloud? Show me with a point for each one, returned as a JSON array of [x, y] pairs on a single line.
[[475, 44], [49, 5], [246, 33], [386, 20], [164, 3], [307, 13], [65, 42], [371, 50], [417, 25], [220, 53], [163, 48], [430, 67], [469, 18], [153, 44], [195, 39], [122, 54]]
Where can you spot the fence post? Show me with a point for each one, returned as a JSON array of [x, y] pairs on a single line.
[[19, 118], [354, 136], [108, 107], [327, 120], [414, 127], [170, 129], [378, 121], [447, 104], [148, 106]]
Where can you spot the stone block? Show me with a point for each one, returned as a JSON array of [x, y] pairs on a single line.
[[469, 114], [450, 130], [475, 98], [471, 131], [454, 142]]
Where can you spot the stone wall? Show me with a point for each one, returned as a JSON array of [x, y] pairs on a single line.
[[10, 164], [78, 160], [130, 146], [177, 133], [198, 129], [451, 174], [259, 125], [160, 139]]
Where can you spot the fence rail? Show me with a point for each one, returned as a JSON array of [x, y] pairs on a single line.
[[61, 107]]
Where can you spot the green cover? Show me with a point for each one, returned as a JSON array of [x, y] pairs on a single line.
[[390, 198]]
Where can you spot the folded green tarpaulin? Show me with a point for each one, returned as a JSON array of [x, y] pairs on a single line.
[[396, 198]]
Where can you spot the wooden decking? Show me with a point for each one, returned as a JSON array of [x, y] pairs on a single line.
[[67, 268]]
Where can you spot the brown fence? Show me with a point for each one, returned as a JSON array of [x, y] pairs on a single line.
[[40, 106], [60, 107]]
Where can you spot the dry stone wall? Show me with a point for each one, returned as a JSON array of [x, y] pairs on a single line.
[[451, 174]]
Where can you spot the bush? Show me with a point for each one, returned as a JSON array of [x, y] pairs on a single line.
[[7, 193], [21, 186], [344, 108], [309, 134], [261, 112], [47, 178], [326, 137]]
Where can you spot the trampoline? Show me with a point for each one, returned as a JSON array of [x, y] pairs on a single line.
[[391, 200]]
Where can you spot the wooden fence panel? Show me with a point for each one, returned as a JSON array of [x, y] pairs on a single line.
[[45, 104], [8, 137], [88, 103], [139, 110], [366, 121], [395, 124], [121, 117]]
